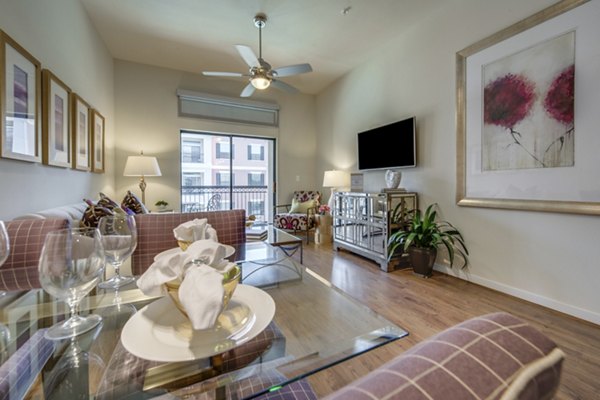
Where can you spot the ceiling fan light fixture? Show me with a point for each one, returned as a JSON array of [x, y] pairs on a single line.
[[260, 82]]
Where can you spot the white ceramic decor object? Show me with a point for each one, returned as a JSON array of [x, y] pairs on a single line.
[[392, 179]]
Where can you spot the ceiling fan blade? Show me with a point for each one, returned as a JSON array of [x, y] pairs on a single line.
[[214, 73], [284, 86], [292, 70], [248, 55], [248, 90]]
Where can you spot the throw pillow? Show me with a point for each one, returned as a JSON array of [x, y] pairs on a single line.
[[92, 215], [112, 205], [107, 202], [133, 203], [301, 207]]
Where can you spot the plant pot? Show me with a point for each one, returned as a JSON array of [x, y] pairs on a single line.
[[422, 260]]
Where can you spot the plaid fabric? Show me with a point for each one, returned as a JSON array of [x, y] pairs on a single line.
[[20, 271], [125, 372], [245, 383], [22, 368], [155, 232], [495, 356]]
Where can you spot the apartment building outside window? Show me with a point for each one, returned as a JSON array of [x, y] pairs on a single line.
[[192, 179], [225, 179], [256, 152], [224, 150], [256, 179], [192, 151]]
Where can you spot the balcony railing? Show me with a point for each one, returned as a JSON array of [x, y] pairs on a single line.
[[253, 199]]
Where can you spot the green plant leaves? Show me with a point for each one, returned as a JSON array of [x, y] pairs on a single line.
[[425, 232]]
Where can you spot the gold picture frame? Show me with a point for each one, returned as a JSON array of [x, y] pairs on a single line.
[[98, 133], [56, 121], [80, 133], [542, 189], [20, 102]]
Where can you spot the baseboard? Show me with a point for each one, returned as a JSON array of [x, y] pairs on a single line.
[[569, 309]]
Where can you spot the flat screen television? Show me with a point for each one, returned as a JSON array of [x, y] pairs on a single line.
[[388, 146]]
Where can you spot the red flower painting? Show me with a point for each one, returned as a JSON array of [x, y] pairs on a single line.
[[506, 102], [560, 99]]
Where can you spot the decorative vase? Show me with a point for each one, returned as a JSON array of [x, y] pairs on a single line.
[[422, 260], [392, 178]]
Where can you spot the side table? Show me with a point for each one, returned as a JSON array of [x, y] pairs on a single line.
[[323, 233]]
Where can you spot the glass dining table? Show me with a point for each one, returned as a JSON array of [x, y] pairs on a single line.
[[310, 325]]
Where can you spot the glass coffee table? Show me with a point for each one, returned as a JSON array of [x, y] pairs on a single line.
[[270, 261], [315, 326]]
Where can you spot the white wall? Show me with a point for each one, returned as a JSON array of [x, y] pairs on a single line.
[[147, 119], [60, 35], [551, 259]]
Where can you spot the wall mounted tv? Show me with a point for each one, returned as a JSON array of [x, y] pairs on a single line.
[[389, 146]]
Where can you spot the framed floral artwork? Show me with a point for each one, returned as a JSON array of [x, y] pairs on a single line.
[[56, 121], [526, 135], [97, 142], [80, 133], [20, 102]]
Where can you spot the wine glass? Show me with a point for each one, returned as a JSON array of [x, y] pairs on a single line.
[[4, 243], [71, 264], [119, 238]]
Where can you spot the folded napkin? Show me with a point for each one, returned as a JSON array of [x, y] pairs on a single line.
[[201, 268], [197, 229]]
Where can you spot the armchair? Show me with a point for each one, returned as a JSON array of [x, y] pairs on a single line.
[[301, 214]]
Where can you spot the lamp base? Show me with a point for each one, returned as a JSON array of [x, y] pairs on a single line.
[[143, 189], [331, 201]]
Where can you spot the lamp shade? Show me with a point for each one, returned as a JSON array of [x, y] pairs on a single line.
[[336, 179], [141, 166]]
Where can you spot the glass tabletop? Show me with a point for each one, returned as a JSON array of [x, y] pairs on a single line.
[[314, 327]]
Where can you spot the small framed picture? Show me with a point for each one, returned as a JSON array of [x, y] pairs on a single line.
[[97, 142], [56, 121], [20, 100], [80, 129]]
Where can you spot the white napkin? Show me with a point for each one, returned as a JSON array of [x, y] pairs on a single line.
[[201, 290], [197, 229]]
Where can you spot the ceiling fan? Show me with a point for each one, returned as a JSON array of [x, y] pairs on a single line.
[[261, 75]]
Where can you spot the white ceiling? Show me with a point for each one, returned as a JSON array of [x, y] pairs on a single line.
[[197, 35]]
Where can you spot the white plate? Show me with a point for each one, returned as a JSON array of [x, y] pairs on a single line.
[[159, 332], [229, 250]]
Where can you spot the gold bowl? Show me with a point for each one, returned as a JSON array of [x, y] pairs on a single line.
[[230, 281]]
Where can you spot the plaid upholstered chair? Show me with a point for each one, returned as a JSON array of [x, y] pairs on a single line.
[[301, 214]]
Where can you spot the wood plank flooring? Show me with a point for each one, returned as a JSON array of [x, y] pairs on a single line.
[[425, 307]]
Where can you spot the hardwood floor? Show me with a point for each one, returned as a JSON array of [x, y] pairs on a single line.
[[425, 307]]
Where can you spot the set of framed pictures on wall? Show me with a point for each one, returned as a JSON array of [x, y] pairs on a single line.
[[41, 119]]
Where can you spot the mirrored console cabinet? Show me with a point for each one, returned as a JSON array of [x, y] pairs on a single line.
[[362, 222]]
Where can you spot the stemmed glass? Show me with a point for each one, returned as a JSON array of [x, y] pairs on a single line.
[[4, 243], [71, 264], [119, 237]]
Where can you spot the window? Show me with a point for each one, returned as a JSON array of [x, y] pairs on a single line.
[[192, 179], [256, 152], [192, 152], [256, 207], [224, 150], [224, 179], [256, 179]]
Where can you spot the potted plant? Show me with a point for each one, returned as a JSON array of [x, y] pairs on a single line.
[[161, 204], [422, 237]]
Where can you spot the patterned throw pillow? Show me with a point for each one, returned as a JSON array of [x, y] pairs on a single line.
[[133, 203], [107, 202], [302, 207], [92, 214]]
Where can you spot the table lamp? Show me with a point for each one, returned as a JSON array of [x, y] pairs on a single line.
[[335, 179], [142, 166]]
